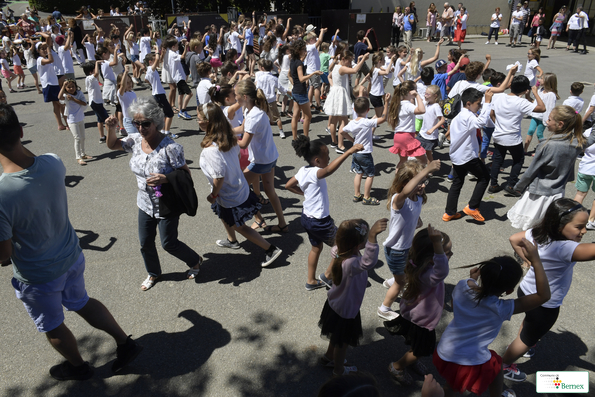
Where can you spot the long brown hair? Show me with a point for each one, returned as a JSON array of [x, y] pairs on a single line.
[[401, 91], [550, 84], [248, 88], [573, 124], [406, 173], [421, 256], [219, 131], [350, 235]]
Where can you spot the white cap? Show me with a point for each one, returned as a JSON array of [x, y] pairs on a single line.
[[37, 45]]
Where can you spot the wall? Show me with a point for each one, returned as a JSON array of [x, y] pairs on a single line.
[[480, 11]]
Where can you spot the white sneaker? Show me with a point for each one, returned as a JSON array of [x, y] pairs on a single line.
[[282, 134], [487, 42], [388, 282], [134, 80], [590, 225], [389, 315], [496, 43], [441, 137], [376, 137], [268, 259]]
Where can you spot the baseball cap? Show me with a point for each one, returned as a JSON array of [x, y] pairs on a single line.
[[464, 61], [59, 40], [440, 63]]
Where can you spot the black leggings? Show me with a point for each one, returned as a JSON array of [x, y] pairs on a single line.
[[396, 35], [537, 322], [493, 31]]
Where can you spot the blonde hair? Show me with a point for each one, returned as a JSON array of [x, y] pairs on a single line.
[[434, 90], [550, 84], [572, 124], [414, 63], [248, 88], [407, 172]]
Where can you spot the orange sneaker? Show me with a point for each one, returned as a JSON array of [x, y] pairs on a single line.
[[474, 214], [447, 217]]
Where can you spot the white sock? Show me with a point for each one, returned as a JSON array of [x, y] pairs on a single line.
[[385, 308]]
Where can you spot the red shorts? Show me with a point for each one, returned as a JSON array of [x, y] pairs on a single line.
[[18, 70], [474, 378]]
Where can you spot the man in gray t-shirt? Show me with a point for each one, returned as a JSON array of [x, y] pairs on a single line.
[[48, 263]]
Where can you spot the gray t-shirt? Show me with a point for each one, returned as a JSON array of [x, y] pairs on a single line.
[[34, 214]]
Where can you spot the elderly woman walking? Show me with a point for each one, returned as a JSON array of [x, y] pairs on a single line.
[[153, 156]]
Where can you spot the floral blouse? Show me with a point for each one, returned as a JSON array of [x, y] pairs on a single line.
[[166, 158]]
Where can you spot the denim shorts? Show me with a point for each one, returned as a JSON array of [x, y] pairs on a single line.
[[128, 126], [44, 301], [396, 260], [133, 58], [320, 231], [300, 99], [262, 168], [33, 69], [100, 112], [363, 163], [324, 78]]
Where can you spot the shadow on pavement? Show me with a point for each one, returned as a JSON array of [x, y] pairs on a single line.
[[88, 237]]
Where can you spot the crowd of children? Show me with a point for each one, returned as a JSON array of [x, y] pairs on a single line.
[[237, 99]]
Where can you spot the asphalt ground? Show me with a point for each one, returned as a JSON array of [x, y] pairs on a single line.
[[239, 329]]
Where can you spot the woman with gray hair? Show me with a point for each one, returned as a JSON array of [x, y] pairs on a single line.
[[153, 156]]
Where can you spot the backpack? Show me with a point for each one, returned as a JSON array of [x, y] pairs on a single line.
[[451, 107]]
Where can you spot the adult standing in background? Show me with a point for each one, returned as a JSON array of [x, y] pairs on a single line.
[[397, 25], [516, 23], [413, 11], [408, 27], [557, 27], [461, 27], [495, 25], [584, 19], [574, 28], [447, 22], [525, 22], [431, 21]]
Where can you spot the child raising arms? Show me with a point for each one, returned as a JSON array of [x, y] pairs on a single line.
[[340, 319]]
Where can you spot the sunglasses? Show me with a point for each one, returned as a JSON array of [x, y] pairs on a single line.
[[144, 124]]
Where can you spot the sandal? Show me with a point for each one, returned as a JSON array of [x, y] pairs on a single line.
[[81, 162], [262, 200], [85, 157], [357, 199], [148, 283], [279, 230], [193, 272], [371, 201], [258, 225]]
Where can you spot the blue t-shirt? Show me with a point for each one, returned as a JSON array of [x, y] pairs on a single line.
[[249, 36], [34, 214], [359, 49], [440, 81], [408, 20]]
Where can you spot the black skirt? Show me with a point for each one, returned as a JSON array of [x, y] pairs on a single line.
[[421, 340], [340, 330], [237, 216]]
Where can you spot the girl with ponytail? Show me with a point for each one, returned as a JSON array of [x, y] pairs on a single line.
[[340, 319], [553, 166], [258, 138]]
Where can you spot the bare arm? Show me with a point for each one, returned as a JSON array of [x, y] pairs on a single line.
[[113, 143], [436, 55], [420, 109], [284, 37], [5, 250], [410, 187], [540, 108], [336, 163], [320, 37], [292, 186], [543, 294]]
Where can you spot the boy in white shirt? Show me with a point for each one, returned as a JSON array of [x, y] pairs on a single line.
[[269, 84], [509, 111], [91, 70], [145, 43], [177, 73], [575, 101], [202, 90], [362, 162], [464, 154], [312, 62], [152, 77]]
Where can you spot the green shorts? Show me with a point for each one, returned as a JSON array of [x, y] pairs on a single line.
[[418, 124], [583, 182]]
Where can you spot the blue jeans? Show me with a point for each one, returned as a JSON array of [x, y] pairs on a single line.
[[485, 142], [168, 232], [128, 126], [536, 126]]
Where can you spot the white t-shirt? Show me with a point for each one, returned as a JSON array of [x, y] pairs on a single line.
[[556, 258], [362, 132], [312, 59], [262, 149], [47, 74], [474, 327], [574, 23], [235, 42], [406, 118], [16, 60], [31, 61], [268, 84], [125, 101], [377, 83], [575, 102], [517, 14], [396, 71], [530, 71], [496, 22], [118, 67], [93, 89], [409, 75], [464, 22], [202, 91], [387, 66], [58, 67], [238, 117], [108, 71], [152, 76], [75, 112], [587, 164], [549, 100], [430, 117], [591, 103], [510, 110], [461, 85], [175, 66], [145, 47], [90, 49], [464, 146], [331, 50], [402, 224], [217, 164], [316, 202], [66, 58]]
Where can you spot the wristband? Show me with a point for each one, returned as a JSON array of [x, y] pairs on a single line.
[[214, 196]]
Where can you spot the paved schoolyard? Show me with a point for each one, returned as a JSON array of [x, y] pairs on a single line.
[[240, 330]]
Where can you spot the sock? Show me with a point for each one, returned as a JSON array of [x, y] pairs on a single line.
[[271, 249], [384, 308]]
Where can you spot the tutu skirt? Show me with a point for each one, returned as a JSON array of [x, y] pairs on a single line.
[[340, 330], [474, 378], [338, 102], [421, 340], [237, 216], [405, 145], [530, 209]]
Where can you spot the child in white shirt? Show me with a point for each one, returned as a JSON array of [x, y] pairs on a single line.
[[575, 101], [433, 119], [362, 129], [91, 70], [312, 62], [269, 85], [533, 58], [158, 92], [178, 75]]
